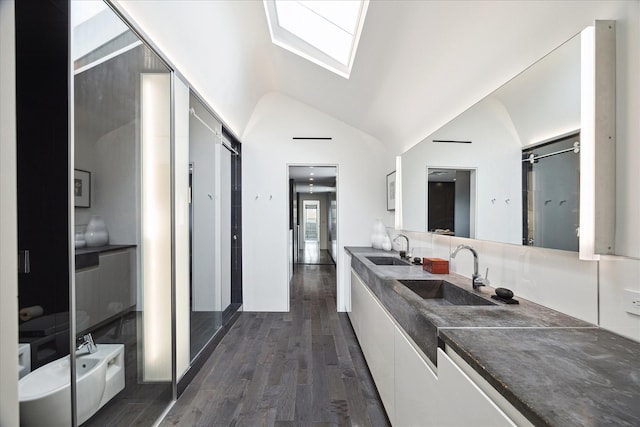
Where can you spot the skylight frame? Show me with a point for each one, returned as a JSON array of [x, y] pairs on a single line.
[[293, 43]]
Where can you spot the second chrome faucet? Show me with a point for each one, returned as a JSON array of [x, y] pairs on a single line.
[[476, 279], [407, 253]]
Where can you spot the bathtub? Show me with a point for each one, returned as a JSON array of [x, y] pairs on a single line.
[[45, 394]]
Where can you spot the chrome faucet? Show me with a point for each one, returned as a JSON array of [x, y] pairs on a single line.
[[476, 279], [86, 341], [407, 239]]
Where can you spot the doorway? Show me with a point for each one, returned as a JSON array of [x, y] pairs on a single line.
[[313, 215], [451, 201]]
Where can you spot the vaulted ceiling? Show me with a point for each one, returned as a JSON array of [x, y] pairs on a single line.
[[419, 63]]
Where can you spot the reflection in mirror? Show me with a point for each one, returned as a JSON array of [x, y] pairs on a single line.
[[451, 201], [121, 126], [551, 182], [540, 104]]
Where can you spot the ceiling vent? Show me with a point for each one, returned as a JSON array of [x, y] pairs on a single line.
[[451, 141], [312, 138]]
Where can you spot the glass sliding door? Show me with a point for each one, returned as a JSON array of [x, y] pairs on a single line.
[[551, 182], [205, 291], [122, 219]]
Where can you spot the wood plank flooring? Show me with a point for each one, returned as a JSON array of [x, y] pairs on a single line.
[[302, 368], [318, 257]]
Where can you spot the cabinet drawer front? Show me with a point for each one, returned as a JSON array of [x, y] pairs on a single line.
[[459, 391]]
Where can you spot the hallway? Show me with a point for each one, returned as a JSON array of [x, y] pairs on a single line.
[[312, 254], [286, 369]]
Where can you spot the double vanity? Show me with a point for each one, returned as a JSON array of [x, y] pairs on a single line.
[[442, 353]]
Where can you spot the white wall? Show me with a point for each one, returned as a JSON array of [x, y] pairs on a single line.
[[267, 152], [8, 221], [627, 130]]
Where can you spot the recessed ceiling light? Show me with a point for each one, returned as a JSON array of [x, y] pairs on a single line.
[[310, 179], [311, 173], [310, 185]]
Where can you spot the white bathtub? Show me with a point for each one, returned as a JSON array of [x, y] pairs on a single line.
[[45, 394]]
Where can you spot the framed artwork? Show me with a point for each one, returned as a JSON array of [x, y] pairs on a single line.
[[82, 188], [391, 191]]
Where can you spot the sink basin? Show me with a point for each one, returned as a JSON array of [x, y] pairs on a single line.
[[444, 293], [386, 260]]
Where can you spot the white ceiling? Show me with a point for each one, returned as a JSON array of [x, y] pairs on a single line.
[[323, 178], [418, 65]]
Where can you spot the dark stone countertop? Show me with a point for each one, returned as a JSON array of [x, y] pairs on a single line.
[[90, 256], [102, 249], [555, 369]]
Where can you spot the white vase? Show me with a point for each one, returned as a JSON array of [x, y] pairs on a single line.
[[379, 237], [96, 233]]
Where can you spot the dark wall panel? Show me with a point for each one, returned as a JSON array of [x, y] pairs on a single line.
[[42, 151]]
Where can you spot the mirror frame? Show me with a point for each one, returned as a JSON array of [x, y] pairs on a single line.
[[598, 153]]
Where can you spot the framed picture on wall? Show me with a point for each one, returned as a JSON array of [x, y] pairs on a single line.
[[82, 188], [391, 191]]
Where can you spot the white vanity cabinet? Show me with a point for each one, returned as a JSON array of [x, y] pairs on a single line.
[[461, 400], [106, 289], [375, 332], [416, 386], [413, 391]]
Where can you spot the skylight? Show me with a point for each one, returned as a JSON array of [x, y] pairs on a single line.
[[321, 31]]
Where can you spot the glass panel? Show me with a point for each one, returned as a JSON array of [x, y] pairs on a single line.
[[551, 185], [122, 219], [206, 299]]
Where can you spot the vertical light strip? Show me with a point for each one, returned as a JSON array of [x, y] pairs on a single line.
[[597, 141], [181, 225], [156, 225], [587, 144], [398, 201]]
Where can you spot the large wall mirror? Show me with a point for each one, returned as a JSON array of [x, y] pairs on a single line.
[[516, 156]]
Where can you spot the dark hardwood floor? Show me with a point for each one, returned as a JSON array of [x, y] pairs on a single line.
[[302, 368], [203, 326], [312, 254]]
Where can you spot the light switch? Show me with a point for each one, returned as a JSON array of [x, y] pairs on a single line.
[[632, 301]]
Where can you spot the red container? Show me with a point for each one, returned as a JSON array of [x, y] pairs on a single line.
[[435, 265]]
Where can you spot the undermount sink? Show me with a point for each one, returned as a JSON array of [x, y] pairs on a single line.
[[386, 260], [444, 293]]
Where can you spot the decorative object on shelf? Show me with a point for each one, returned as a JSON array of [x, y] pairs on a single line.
[[379, 237], [391, 191], [80, 242], [96, 233], [82, 188]]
